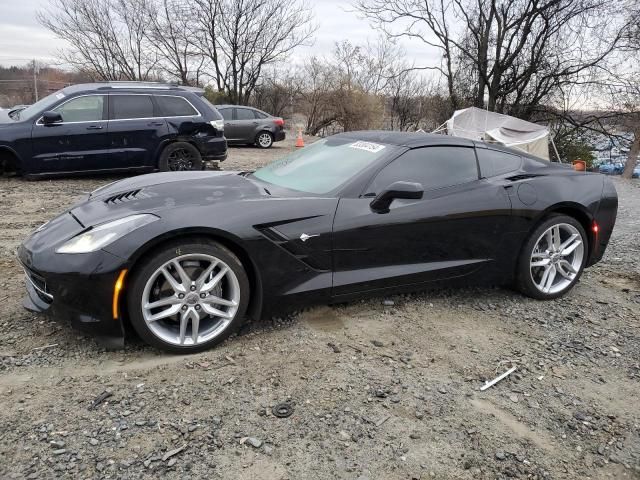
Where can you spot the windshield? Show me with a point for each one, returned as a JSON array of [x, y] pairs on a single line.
[[37, 108], [323, 166]]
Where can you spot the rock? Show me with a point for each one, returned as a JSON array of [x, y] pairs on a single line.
[[94, 441], [377, 343], [60, 451], [254, 442], [581, 416], [344, 436], [171, 462], [500, 455], [388, 303], [173, 452], [513, 398], [414, 436], [57, 443], [442, 390]]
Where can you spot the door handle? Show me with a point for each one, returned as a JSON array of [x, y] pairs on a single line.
[[94, 127], [156, 124]]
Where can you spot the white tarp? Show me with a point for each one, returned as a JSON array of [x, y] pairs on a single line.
[[478, 124]]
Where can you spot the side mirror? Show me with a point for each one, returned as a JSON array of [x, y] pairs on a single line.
[[49, 118], [409, 190]]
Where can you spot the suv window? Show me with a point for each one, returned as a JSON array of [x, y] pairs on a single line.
[[493, 162], [82, 109], [244, 114], [175, 106], [131, 106], [433, 167], [227, 113]]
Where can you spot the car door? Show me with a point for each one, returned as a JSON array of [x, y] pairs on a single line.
[[79, 142], [453, 230], [246, 124], [136, 129]]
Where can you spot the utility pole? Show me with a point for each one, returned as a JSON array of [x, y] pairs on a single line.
[[35, 79]]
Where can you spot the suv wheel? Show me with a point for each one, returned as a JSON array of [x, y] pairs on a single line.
[[264, 140], [180, 156]]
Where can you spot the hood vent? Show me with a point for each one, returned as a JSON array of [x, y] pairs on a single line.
[[122, 197]]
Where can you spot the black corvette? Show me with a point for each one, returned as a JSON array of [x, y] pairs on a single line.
[[183, 257]]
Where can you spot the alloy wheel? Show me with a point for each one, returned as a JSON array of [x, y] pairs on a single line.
[[264, 139], [190, 299], [557, 258], [180, 160]]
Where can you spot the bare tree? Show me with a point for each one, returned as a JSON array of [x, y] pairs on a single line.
[[517, 52], [108, 37], [171, 27], [242, 37]]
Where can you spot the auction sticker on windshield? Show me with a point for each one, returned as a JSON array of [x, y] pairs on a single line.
[[367, 146]]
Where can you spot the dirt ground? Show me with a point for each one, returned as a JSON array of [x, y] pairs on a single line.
[[381, 389]]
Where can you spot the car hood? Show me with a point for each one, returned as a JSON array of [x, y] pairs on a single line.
[[5, 119], [158, 192]]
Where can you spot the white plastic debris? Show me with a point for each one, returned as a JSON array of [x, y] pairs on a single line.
[[497, 379]]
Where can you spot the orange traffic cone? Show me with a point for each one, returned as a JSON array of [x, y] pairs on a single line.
[[299, 140]]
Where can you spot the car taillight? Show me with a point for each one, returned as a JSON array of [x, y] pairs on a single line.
[[217, 124], [279, 122]]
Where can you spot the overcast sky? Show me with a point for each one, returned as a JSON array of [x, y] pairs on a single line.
[[23, 39]]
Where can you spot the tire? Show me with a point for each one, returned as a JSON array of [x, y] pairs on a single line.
[[536, 258], [170, 326], [264, 139], [180, 156]]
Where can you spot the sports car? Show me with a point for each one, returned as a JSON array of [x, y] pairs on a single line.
[[183, 258]]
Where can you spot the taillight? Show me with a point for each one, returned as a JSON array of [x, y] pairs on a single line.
[[279, 122], [217, 124]]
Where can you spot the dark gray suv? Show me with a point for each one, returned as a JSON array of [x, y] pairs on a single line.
[[247, 125]]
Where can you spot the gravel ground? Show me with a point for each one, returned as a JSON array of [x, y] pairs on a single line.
[[380, 389]]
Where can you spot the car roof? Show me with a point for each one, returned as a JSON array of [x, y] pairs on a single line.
[[421, 139], [226, 105], [130, 86], [406, 139]]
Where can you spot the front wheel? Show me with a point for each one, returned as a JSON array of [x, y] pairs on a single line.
[[180, 156], [264, 140], [188, 296], [553, 258]]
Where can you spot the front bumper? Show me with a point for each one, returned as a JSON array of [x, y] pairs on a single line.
[[82, 296]]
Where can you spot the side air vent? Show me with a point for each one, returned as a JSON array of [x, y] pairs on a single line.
[[524, 176], [122, 197]]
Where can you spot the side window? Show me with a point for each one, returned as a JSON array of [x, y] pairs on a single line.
[[131, 106], [175, 106], [227, 113], [259, 114], [433, 167], [82, 109], [244, 114], [494, 162]]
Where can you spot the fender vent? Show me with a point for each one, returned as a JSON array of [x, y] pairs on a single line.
[[122, 197], [524, 176]]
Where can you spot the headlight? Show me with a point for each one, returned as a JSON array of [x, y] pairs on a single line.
[[217, 124], [102, 235]]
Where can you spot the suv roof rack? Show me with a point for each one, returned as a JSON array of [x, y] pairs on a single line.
[[135, 84]]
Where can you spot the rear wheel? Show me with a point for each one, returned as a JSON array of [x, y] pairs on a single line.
[[188, 297], [264, 140], [553, 258], [180, 156]]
